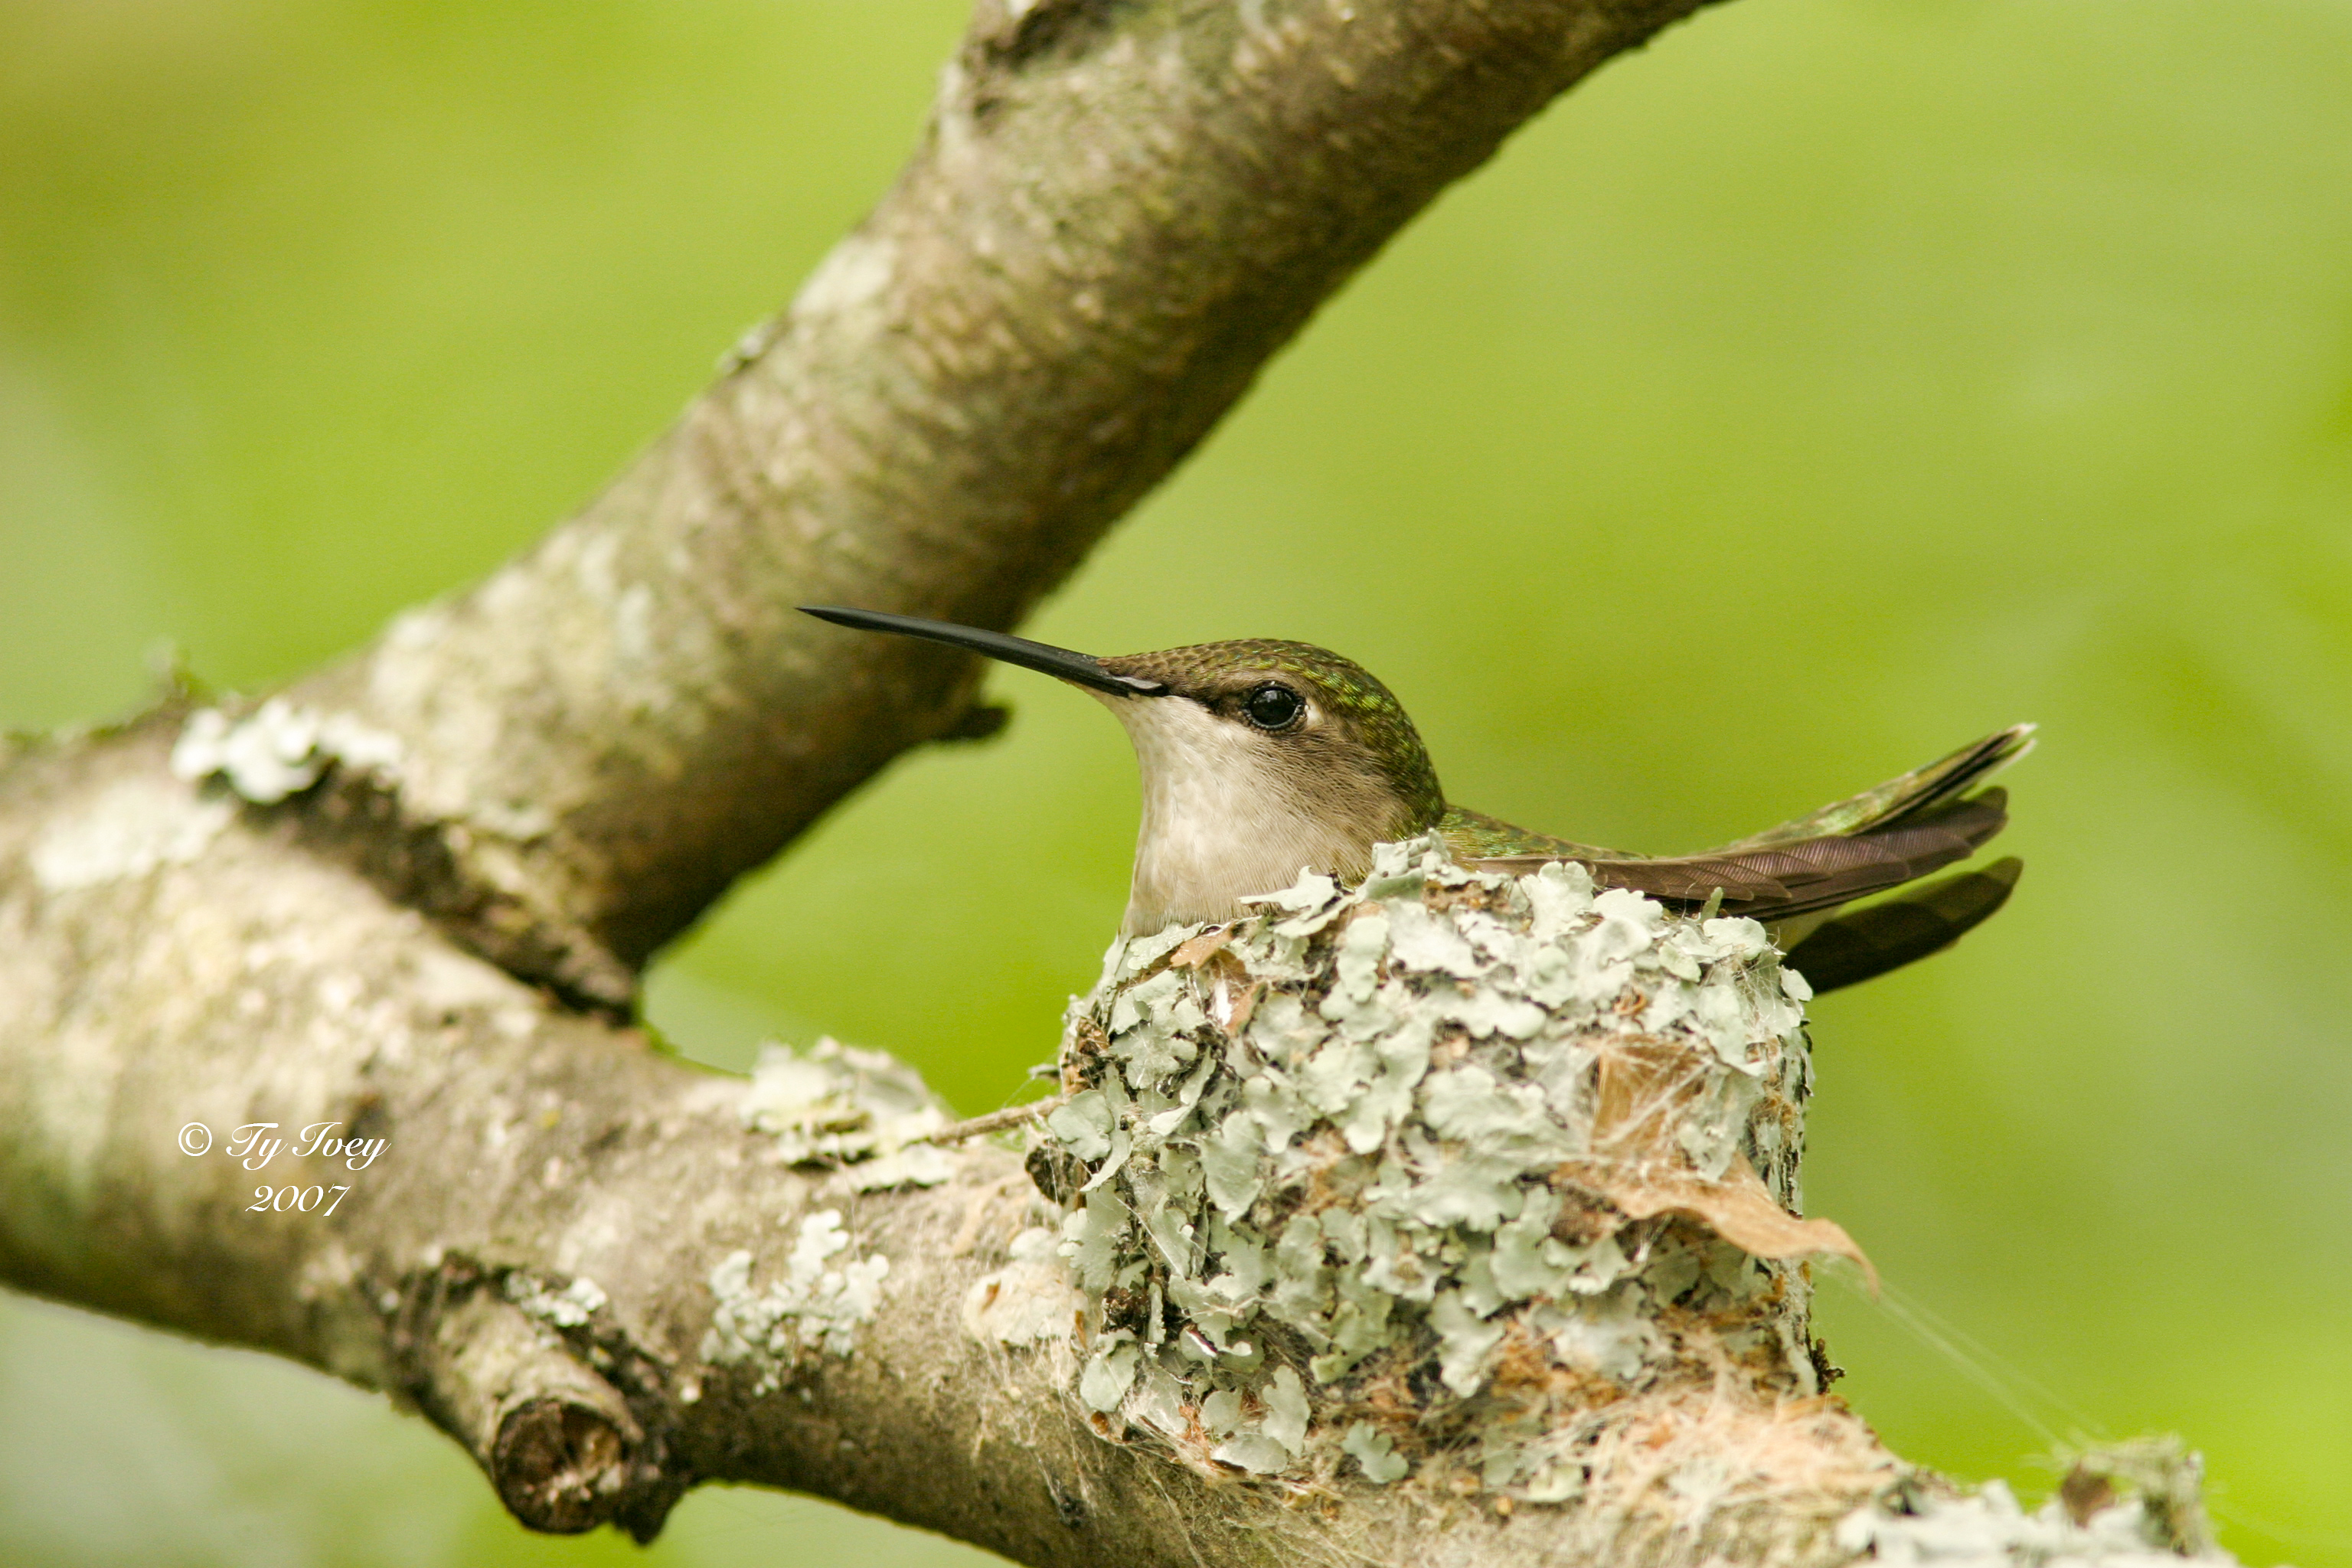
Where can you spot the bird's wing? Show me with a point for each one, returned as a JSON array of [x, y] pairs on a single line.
[[1912, 925], [1783, 879], [1920, 790], [1475, 837]]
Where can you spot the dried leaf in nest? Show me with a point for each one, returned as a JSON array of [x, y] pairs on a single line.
[[1737, 1208], [1198, 950], [1640, 1090], [1233, 1004]]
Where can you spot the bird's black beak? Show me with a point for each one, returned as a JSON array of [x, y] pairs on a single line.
[[1078, 668]]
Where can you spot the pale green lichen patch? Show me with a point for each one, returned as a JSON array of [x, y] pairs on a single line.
[[817, 1304], [279, 749], [1403, 1175], [862, 1112], [2131, 1505], [569, 1308]]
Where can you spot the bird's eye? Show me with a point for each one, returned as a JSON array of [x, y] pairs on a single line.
[[1272, 706]]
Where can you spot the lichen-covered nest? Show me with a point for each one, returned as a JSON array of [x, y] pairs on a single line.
[[1428, 1171]]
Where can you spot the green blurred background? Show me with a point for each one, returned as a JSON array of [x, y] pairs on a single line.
[[1820, 387]]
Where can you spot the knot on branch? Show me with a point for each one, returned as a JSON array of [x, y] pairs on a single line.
[[559, 1466], [1435, 1174], [501, 1360]]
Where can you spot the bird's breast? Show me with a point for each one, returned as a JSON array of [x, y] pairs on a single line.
[[1219, 823]]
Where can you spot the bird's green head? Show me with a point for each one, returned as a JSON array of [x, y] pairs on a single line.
[[1259, 759], [1323, 721]]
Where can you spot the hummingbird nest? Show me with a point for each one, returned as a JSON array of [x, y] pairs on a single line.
[[1425, 1175]]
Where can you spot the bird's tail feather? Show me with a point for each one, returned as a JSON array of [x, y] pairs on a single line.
[[1781, 882], [1903, 830], [1863, 943], [1921, 790]]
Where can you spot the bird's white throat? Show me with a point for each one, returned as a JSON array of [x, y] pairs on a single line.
[[1222, 818]]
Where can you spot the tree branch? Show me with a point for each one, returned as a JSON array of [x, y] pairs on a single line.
[[361, 919]]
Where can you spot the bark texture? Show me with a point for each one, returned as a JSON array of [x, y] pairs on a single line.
[[392, 918]]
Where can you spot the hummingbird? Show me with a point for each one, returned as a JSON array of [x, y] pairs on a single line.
[[1263, 759]]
